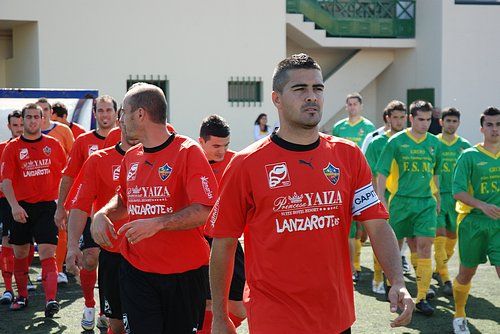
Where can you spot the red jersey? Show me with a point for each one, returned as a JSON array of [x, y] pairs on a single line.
[[294, 204], [114, 136], [2, 147], [220, 166], [84, 146], [163, 180], [97, 183], [76, 129], [34, 167]]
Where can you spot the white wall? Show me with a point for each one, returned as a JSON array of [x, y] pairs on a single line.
[[22, 70], [471, 62], [199, 45]]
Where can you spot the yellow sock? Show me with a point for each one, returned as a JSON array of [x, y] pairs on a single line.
[[424, 274], [357, 254], [450, 247], [413, 260], [440, 257], [377, 270], [460, 294]]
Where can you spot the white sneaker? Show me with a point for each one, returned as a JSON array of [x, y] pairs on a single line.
[[460, 326], [88, 318], [378, 288], [7, 297], [62, 278], [102, 322]]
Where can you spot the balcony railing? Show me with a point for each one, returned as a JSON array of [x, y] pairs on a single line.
[[359, 18]]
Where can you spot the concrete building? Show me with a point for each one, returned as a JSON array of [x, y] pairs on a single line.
[[207, 54]]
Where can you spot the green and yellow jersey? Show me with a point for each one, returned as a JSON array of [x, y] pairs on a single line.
[[375, 149], [478, 173], [355, 132], [412, 163], [450, 151]]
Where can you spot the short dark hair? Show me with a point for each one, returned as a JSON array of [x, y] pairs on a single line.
[[214, 125], [490, 111], [294, 62], [43, 100], [59, 109], [14, 114], [151, 98], [395, 105], [420, 105], [450, 112], [355, 95], [31, 106], [105, 98]]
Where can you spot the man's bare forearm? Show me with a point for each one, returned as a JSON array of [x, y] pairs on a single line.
[[221, 270], [381, 187], [386, 249], [188, 218], [76, 224], [64, 187], [8, 191]]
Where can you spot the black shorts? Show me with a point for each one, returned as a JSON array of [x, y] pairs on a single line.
[[40, 225], [109, 284], [159, 303], [238, 280], [86, 240], [5, 217]]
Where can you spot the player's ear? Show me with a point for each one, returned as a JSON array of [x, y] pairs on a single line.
[[276, 98], [441, 122]]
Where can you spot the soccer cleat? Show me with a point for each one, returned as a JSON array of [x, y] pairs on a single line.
[[88, 318], [7, 297], [424, 307], [406, 266], [378, 288], [62, 278], [102, 322], [437, 278], [31, 286], [460, 326], [448, 288], [51, 308], [19, 303], [430, 294], [355, 276]]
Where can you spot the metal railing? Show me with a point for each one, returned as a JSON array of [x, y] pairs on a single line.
[[359, 18]]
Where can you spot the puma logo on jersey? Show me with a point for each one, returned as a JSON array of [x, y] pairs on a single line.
[[277, 175], [307, 163]]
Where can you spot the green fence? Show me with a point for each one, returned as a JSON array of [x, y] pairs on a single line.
[[359, 18]]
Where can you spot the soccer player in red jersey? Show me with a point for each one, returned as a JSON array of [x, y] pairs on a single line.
[[105, 112], [15, 125], [31, 170], [294, 195], [167, 188], [214, 140], [60, 114], [97, 183]]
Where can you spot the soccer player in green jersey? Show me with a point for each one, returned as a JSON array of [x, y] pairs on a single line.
[[476, 187], [412, 158], [395, 113], [355, 128], [446, 236]]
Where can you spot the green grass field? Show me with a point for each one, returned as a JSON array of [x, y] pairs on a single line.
[[483, 308]]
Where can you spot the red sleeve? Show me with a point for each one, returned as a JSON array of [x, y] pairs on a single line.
[[8, 163], [201, 184], [75, 161], [228, 216], [86, 183], [365, 203]]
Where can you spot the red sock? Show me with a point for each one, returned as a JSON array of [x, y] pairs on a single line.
[[109, 331], [207, 323], [49, 278], [87, 280], [31, 255], [236, 320], [21, 268], [7, 265]]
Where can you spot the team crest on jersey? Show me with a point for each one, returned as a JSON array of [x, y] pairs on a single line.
[[23, 154], [332, 173], [164, 172], [115, 169], [47, 150], [277, 175], [132, 172], [93, 148]]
